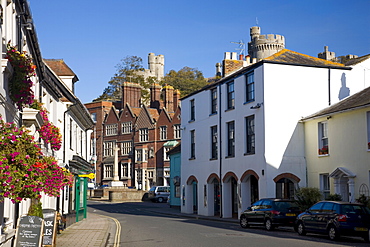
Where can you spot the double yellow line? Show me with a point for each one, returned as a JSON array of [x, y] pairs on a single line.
[[118, 231]]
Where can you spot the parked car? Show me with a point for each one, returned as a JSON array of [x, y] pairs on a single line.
[[335, 219], [159, 193], [270, 213]]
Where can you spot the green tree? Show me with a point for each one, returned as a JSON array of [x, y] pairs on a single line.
[[127, 71], [187, 80]]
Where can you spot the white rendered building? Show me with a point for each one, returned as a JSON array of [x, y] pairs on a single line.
[[242, 139]]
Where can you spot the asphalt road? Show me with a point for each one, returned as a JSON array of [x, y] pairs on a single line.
[[141, 227]]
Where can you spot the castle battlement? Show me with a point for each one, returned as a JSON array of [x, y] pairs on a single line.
[[264, 45]]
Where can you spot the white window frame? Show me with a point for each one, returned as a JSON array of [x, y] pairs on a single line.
[[166, 157], [323, 135], [126, 170], [126, 127], [214, 101], [177, 131], [111, 129], [144, 135], [141, 155], [249, 87], [108, 170], [126, 147], [325, 185], [163, 132], [250, 135], [108, 148]]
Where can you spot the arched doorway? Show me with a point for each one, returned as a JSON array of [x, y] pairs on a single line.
[[285, 185], [230, 200], [249, 188], [191, 196], [214, 195]]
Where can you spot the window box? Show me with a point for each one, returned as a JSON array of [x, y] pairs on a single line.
[[324, 150], [32, 116]]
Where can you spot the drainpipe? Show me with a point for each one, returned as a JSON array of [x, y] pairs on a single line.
[[64, 156], [220, 146], [64, 135], [329, 87]]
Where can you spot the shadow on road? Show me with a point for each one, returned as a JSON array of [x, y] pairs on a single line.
[[151, 209]]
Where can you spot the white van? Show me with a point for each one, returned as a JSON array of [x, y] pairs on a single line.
[[159, 193]]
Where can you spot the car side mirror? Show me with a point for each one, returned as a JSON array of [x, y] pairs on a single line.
[[249, 208]]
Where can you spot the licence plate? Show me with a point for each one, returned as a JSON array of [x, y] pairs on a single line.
[[361, 229], [290, 214]]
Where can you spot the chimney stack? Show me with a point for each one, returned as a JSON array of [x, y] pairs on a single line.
[[155, 96], [176, 99], [168, 97], [131, 94]]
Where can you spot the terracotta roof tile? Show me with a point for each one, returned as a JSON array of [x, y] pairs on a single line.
[[292, 57], [59, 67]]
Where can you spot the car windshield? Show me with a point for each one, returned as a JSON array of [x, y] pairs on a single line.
[[285, 205], [152, 189]]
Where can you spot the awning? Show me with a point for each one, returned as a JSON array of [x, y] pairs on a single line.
[[170, 143]]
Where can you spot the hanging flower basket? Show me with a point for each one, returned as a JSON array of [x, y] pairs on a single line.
[[24, 171], [48, 131], [20, 84]]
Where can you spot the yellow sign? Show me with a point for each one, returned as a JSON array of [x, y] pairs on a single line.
[[91, 176]]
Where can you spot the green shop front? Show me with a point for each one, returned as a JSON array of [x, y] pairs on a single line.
[[77, 195]]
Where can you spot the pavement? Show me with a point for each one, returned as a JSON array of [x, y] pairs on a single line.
[[92, 231], [98, 230]]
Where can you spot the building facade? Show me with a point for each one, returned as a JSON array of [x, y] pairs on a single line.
[[242, 139], [52, 86], [142, 133], [337, 147]]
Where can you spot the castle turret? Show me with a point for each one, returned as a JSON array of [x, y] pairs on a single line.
[[156, 66], [327, 55], [262, 46]]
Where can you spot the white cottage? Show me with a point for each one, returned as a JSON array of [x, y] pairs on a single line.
[[344, 130]]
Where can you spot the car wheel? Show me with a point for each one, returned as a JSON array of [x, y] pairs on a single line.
[[244, 222], [333, 233], [268, 225], [160, 199], [300, 229]]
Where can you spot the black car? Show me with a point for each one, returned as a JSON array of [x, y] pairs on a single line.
[[335, 219], [270, 213]]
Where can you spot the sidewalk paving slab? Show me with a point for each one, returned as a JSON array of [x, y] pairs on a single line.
[[92, 231]]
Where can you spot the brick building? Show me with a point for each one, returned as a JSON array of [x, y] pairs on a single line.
[[142, 133]]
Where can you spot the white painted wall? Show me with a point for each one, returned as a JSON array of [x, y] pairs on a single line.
[[288, 93]]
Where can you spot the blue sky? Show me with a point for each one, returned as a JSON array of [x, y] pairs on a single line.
[[93, 36]]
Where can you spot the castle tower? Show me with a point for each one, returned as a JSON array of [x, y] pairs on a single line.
[[327, 55], [156, 65], [262, 46]]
